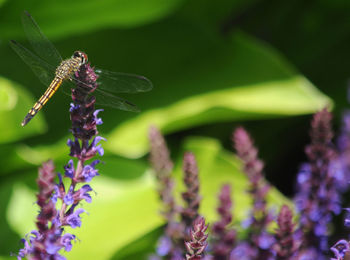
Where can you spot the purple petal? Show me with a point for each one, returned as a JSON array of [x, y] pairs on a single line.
[[74, 219]]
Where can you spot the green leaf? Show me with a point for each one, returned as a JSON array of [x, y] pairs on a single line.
[[63, 18], [2, 2], [22, 204], [141, 248], [6, 257], [15, 103], [241, 79], [9, 239]]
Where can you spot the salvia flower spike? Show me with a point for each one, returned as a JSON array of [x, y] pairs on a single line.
[[50, 237]]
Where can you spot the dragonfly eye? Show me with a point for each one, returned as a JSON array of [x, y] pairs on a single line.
[[81, 55]]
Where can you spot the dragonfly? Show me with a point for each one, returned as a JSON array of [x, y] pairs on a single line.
[[48, 65]]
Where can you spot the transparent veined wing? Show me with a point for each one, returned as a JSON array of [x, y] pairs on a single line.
[[44, 71], [103, 98], [106, 99], [118, 82], [41, 45]]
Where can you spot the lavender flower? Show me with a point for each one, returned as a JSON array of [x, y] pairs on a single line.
[[197, 243], [317, 196], [46, 241], [286, 245], [163, 166], [259, 240], [191, 196], [340, 165], [170, 244], [341, 250], [50, 238], [224, 238]]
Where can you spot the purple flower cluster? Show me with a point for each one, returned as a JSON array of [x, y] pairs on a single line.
[[286, 246], [191, 195], [318, 196], [340, 166], [321, 181], [48, 239], [223, 237], [162, 166], [50, 236], [171, 245], [198, 240], [259, 240]]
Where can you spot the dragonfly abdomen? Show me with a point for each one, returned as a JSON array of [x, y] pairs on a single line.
[[55, 84]]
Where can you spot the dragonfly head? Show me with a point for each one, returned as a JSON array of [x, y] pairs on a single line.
[[82, 55]]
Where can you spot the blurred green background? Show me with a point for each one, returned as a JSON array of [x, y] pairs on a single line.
[[266, 65]]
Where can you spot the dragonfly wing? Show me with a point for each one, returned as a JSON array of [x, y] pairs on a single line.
[[109, 100], [118, 82], [44, 71], [41, 45], [105, 98]]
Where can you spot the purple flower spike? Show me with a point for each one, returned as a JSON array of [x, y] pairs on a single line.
[[318, 194], [46, 186], [191, 195], [258, 237], [286, 245], [160, 157], [224, 238], [49, 238], [170, 244], [198, 240]]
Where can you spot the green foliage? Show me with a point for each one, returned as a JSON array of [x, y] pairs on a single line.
[[85, 15], [14, 103]]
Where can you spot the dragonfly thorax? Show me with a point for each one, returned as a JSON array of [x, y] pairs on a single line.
[[69, 66]]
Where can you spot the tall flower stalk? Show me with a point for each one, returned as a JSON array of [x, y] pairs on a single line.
[[162, 166], [191, 196], [169, 245], [197, 241], [286, 245], [50, 236], [224, 237], [259, 241], [318, 197], [340, 166]]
